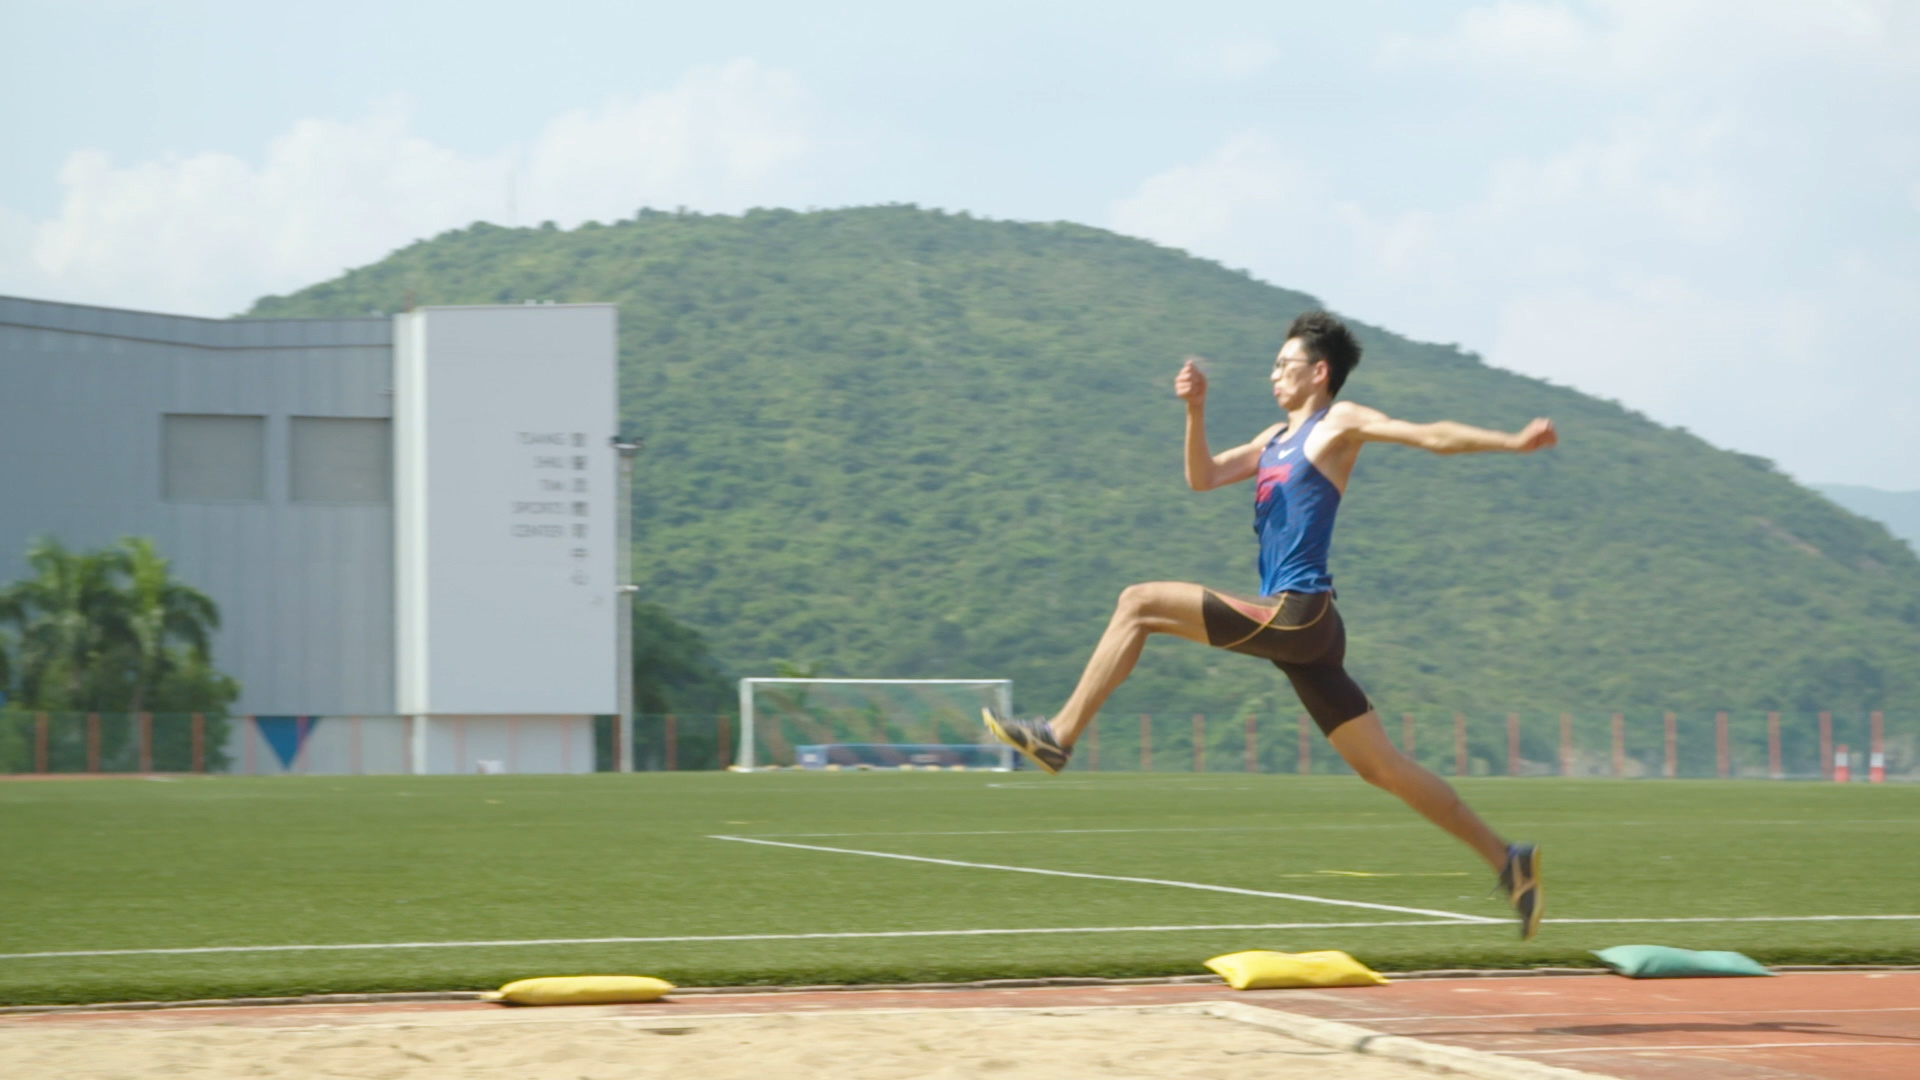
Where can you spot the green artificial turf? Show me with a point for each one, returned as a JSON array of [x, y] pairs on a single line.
[[221, 862]]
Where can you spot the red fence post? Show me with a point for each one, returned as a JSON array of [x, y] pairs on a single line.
[[673, 742], [93, 742], [1877, 752], [1513, 744], [1306, 747], [1842, 765], [1826, 746], [1774, 771], [1408, 734], [199, 742], [1619, 746], [1199, 742], [1461, 766], [1146, 742], [146, 742], [1253, 748], [1673, 746], [40, 735], [1722, 752], [1566, 744]]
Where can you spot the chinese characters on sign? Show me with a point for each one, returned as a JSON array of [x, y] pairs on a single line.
[[558, 507]]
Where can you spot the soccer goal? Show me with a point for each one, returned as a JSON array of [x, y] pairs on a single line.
[[871, 723]]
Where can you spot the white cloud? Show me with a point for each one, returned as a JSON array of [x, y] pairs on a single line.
[[712, 142], [1712, 266], [207, 233], [1621, 40], [1511, 32], [1200, 205], [1233, 59]]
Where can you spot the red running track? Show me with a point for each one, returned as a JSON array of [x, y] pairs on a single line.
[[1829, 1025], [1851, 1025]]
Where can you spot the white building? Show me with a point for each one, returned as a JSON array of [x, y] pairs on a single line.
[[408, 523]]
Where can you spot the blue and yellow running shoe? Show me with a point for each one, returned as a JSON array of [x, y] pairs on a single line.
[[1521, 879], [1031, 737]]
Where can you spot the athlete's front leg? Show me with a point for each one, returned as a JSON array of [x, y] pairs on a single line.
[[1156, 607]]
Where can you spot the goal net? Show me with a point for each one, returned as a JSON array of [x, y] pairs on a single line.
[[871, 723]]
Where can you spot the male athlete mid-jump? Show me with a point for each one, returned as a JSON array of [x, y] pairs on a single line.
[[1302, 465]]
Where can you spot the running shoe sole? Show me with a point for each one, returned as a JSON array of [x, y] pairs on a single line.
[[1031, 737], [1525, 887]]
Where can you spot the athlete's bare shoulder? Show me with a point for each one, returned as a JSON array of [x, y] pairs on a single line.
[[1350, 415]]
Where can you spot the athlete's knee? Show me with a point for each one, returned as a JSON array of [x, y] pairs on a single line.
[[1379, 772], [1134, 603], [1389, 771]]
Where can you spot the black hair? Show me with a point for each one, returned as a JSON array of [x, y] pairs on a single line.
[[1327, 339]]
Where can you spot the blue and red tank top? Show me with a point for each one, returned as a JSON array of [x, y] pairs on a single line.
[[1293, 511]]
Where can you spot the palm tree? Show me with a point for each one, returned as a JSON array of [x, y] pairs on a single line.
[[69, 615], [160, 611]]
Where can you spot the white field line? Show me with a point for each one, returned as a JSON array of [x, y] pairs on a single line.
[[851, 934], [1116, 877], [1745, 918], [861, 934], [1317, 828]]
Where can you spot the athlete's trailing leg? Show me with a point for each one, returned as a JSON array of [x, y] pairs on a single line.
[[1363, 743]]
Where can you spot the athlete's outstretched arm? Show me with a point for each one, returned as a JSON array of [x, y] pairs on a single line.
[[1207, 470], [1365, 425]]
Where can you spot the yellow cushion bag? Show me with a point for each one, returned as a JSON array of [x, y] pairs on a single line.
[[582, 990], [1259, 969]]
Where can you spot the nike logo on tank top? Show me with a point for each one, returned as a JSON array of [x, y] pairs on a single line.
[[1294, 506]]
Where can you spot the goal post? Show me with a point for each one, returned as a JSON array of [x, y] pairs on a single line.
[[921, 716]]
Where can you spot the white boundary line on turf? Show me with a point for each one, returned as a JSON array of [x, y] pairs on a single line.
[[1454, 915], [1743, 918], [730, 938], [1312, 827], [860, 934]]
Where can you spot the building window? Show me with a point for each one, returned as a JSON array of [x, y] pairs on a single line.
[[341, 460], [214, 458]]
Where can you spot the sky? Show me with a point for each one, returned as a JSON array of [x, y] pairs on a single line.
[[1706, 210]]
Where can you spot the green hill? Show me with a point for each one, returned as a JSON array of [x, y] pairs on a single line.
[[896, 442]]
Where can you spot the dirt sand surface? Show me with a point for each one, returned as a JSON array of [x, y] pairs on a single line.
[[601, 1044]]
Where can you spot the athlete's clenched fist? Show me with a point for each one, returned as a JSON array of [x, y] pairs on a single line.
[[1191, 384]]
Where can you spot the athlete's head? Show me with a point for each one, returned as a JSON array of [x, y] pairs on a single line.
[[1319, 353]]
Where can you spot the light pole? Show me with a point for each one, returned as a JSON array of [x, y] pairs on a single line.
[[624, 590]]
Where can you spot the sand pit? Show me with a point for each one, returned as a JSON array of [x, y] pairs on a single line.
[[611, 1043]]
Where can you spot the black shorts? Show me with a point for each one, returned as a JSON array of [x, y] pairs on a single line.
[[1301, 633]]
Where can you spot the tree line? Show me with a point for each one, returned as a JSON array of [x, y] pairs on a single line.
[[110, 630]]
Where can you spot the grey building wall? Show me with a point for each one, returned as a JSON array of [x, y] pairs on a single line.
[[305, 589]]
